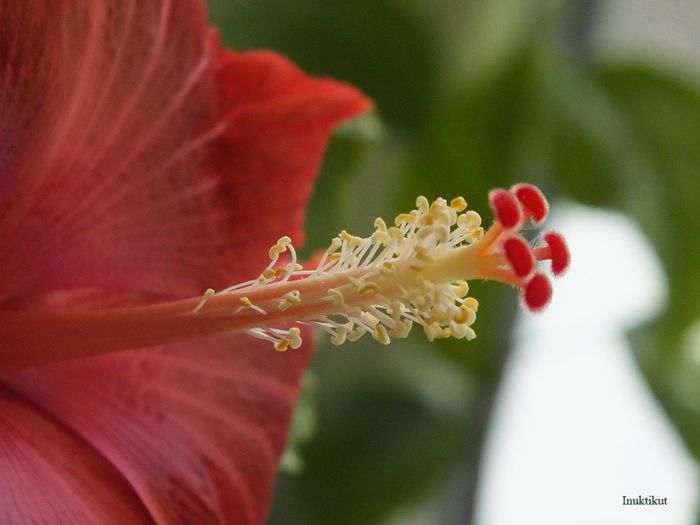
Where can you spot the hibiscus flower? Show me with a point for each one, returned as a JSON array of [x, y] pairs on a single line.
[[140, 162]]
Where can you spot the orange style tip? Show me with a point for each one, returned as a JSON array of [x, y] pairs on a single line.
[[506, 208], [533, 200], [538, 292], [559, 251], [519, 256]]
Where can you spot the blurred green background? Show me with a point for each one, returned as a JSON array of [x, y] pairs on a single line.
[[471, 95]]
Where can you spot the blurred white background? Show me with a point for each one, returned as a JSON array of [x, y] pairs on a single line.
[[576, 427]]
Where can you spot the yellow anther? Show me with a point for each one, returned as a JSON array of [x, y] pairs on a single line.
[[352, 240], [471, 303], [443, 333], [381, 237], [387, 268], [459, 204], [279, 272], [401, 329], [208, 294], [471, 317], [471, 334], [422, 204], [379, 224], [281, 345], [335, 244], [356, 334], [396, 234], [294, 337], [438, 204], [274, 252], [464, 316], [337, 296], [459, 330], [461, 288], [381, 335], [471, 219], [245, 302], [335, 257], [404, 218], [290, 299], [269, 273], [368, 288], [283, 243], [396, 309], [340, 336]]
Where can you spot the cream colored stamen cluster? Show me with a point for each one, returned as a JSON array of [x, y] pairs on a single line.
[[387, 291], [380, 285]]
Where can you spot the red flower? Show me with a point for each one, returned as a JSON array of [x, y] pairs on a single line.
[[139, 163]]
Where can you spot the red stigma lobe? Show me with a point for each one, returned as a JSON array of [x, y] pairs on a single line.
[[538, 291], [519, 256], [508, 257], [533, 201], [506, 208], [559, 252]]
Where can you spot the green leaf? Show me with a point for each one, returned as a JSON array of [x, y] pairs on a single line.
[[380, 45], [662, 114]]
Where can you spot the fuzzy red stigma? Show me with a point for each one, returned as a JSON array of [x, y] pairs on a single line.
[[533, 201], [559, 252], [506, 208], [538, 292], [519, 256]]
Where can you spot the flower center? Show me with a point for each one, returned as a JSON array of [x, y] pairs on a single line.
[[413, 272]]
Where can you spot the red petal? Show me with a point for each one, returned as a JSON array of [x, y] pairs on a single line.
[[278, 123], [127, 165], [130, 166], [50, 475], [195, 429], [103, 191]]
